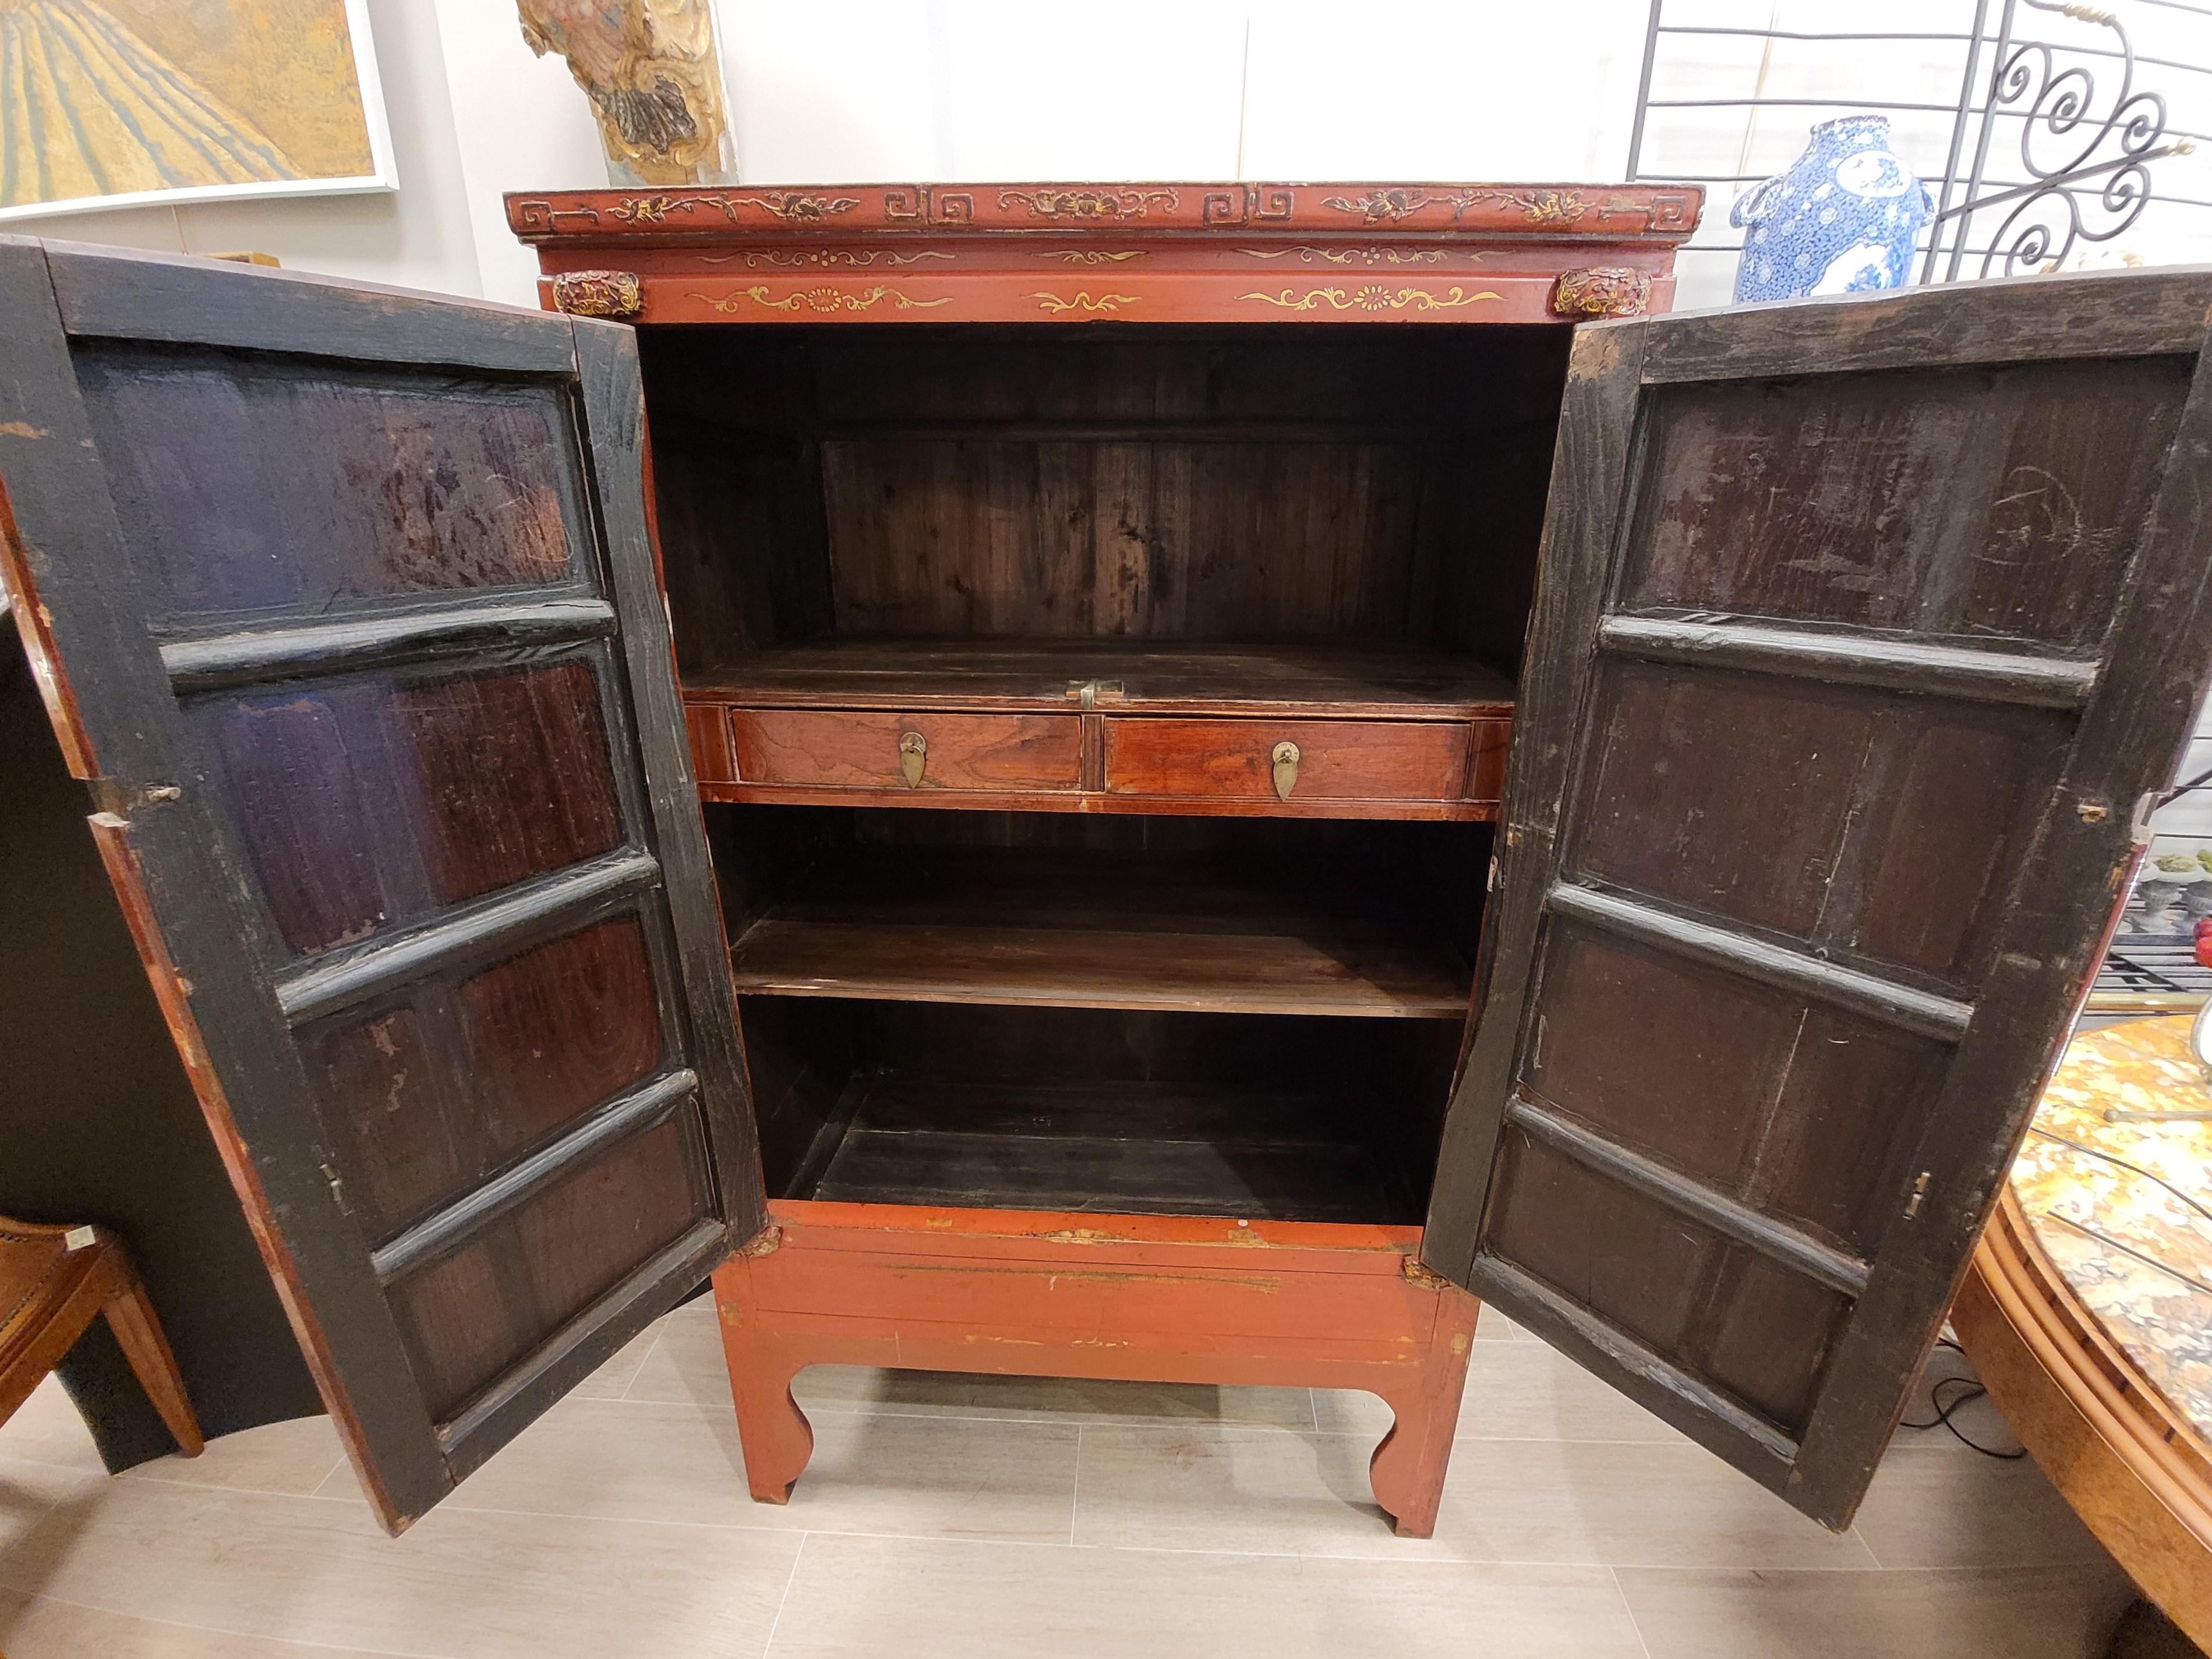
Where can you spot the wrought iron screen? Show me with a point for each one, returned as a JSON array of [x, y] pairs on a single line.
[[2050, 135]]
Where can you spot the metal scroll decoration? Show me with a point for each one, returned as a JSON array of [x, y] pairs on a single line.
[[2086, 155]]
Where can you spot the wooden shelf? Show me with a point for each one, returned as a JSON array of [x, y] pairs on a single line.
[[1156, 679], [1053, 928], [1118, 1147]]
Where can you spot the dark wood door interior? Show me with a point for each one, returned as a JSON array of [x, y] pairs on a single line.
[[1088, 584], [370, 684], [1866, 628]]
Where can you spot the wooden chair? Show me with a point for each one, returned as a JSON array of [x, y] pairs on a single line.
[[54, 1281]]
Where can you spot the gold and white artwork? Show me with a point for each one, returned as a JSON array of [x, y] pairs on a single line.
[[117, 103]]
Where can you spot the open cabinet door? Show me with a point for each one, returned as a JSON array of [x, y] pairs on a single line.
[[343, 605], [1865, 631]]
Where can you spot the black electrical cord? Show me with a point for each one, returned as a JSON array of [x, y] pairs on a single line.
[[1970, 1391]]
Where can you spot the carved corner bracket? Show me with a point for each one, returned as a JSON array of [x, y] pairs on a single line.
[[1427, 1278], [615, 294], [1601, 291]]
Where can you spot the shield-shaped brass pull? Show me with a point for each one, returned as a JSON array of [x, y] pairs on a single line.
[[1287, 769], [913, 751]]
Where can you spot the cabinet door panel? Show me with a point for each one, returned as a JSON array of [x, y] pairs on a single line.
[[1864, 630], [351, 626]]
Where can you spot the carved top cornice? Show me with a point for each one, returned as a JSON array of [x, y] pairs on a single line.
[[1653, 215]]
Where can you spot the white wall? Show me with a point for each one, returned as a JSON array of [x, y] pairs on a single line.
[[952, 89], [902, 90], [417, 236]]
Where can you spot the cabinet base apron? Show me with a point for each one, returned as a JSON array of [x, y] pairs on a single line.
[[1134, 1298]]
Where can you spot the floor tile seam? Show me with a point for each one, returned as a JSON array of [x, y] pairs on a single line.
[[1621, 1593], [768, 1645], [660, 1336], [225, 1630]]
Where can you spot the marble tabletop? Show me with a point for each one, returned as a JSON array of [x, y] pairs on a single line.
[[2116, 1206]]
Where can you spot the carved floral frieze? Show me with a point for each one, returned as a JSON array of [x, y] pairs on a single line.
[[1374, 297], [1083, 300], [1113, 204], [790, 206], [825, 300], [1355, 256]]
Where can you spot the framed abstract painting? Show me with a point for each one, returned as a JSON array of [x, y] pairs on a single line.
[[124, 103]]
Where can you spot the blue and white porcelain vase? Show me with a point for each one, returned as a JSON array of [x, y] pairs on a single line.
[[1842, 220]]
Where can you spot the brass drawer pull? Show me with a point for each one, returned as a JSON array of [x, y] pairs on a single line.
[[913, 751], [1287, 768]]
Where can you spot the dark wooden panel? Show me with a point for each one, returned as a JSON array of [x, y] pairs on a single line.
[[1972, 501], [1881, 826], [368, 801], [246, 488], [1925, 840], [302, 804], [1630, 1259], [1097, 932], [471, 1315], [1122, 1148], [114, 293], [858, 750], [1973, 323], [1153, 677], [1803, 1112], [1757, 1333], [559, 1028], [1197, 541], [515, 774], [1337, 760], [174, 828]]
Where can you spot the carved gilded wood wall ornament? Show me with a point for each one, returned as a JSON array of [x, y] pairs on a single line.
[[654, 80]]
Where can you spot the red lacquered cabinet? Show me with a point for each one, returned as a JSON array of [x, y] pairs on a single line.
[[1167, 782]]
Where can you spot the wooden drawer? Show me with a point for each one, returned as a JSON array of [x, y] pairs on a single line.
[[707, 724], [1336, 760], [840, 750]]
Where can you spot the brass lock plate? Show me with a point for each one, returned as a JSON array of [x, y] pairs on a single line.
[[914, 755]]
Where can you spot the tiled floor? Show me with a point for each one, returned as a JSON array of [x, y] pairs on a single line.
[[976, 1517]]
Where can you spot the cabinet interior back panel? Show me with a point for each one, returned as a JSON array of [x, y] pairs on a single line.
[[1250, 485]]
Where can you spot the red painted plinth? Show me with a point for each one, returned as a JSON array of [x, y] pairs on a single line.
[[1139, 1298]]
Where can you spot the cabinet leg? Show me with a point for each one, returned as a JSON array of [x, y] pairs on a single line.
[[1409, 1468], [776, 1437]]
